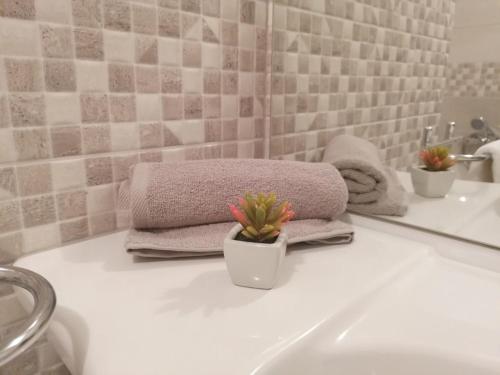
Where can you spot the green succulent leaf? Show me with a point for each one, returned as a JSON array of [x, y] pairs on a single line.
[[250, 229], [266, 229], [260, 216], [247, 235]]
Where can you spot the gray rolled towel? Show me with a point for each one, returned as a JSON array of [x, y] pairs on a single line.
[[181, 209], [208, 239], [170, 195], [374, 188]]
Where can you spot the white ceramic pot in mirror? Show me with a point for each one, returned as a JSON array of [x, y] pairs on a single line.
[[432, 184]]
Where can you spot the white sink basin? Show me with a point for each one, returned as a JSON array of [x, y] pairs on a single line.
[[385, 361], [396, 301], [441, 318]]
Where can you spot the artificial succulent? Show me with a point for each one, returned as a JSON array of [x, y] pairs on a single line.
[[436, 159], [261, 217]]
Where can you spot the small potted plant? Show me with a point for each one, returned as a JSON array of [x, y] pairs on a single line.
[[434, 178], [254, 248]]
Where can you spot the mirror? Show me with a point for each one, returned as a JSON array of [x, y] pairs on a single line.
[[387, 72], [471, 209]]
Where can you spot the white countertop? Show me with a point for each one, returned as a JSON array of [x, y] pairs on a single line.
[[117, 316]]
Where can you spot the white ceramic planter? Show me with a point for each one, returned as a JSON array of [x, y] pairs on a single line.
[[254, 265], [431, 184]]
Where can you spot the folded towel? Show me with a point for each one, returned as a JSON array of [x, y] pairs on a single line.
[[181, 209], [374, 189], [488, 170], [203, 240], [169, 195]]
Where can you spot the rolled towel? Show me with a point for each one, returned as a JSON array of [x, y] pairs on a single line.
[[169, 195], [488, 170], [181, 209], [203, 240], [374, 189]]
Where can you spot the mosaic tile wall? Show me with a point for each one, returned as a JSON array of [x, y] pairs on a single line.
[[473, 79], [371, 68], [473, 85], [90, 87]]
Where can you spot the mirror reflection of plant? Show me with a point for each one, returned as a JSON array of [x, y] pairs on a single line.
[[260, 217], [436, 159]]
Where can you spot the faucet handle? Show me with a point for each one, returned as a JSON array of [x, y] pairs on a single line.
[[450, 130], [427, 137]]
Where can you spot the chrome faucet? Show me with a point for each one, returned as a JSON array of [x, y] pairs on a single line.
[[44, 299], [450, 130], [427, 137]]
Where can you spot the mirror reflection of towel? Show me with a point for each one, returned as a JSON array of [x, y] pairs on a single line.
[[374, 189], [488, 170]]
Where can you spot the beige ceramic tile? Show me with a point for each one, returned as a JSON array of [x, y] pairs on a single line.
[[60, 75], [117, 15], [122, 165], [124, 137], [62, 109], [170, 51], [31, 144], [91, 76], [11, 247], [68, 174], [121, 78], [168, 23], [144, 19], [38, 210], [148, 107], [56, 41], [8, 186], [96, 138], [87, 13], [98, 171], [94, 108], [23, 74], [89, 44], [150, 135], [55, 11], [23, 9], [147, 79], [34, 179], [100, 199], [9, 216], [119, 46], [146, 50], [27, 110], [41, 237], [122, 108], [103, 223], [73, 230], [71, 204], [66, 141], [19, 38]]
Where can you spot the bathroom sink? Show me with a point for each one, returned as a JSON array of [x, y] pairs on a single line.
[[385, 361], [396, 300], [442, 318]]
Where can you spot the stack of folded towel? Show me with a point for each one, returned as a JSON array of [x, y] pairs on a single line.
[[374, 189], [488, 170], [181, 209]]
